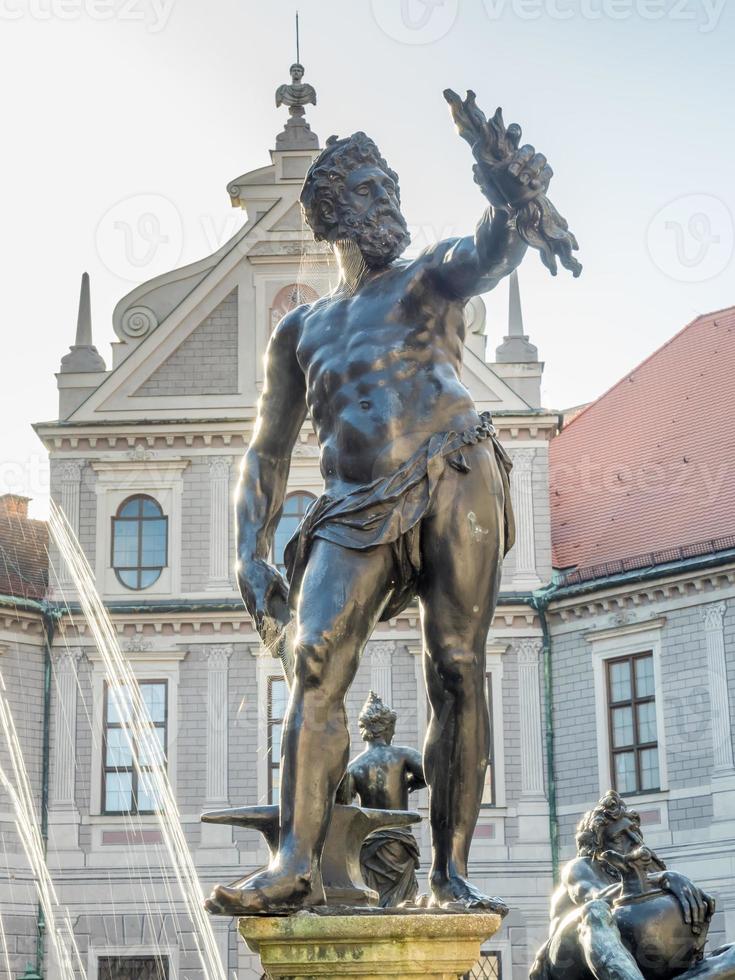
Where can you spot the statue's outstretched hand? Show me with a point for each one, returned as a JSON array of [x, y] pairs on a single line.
[[265, 594], [515, 178], [522, 178]]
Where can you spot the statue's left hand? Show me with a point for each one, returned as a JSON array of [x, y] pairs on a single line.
[[697, 906]]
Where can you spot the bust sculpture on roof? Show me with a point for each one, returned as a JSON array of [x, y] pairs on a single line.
[[296, 95], [297, 134]]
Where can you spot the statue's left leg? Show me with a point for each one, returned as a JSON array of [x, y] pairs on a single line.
[[461, 553]]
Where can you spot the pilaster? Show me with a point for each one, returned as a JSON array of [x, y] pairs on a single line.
[[525, 576], [64, 850], [381, 669], [723, 773], [214, 836], [533, 811], [219, 524], [70, 482]]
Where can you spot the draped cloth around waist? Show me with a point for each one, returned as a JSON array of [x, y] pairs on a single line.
[[389, 860], [390, 508]]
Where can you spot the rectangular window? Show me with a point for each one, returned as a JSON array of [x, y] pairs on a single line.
[[488, 794], [631, 699], [277, 703], [130, 748], [488, 967], [132, 968]]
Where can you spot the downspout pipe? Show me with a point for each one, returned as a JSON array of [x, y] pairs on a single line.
[[540, 601]]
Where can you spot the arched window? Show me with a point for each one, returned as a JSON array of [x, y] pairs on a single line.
[[139, 542], [288, 298], [294, 508]]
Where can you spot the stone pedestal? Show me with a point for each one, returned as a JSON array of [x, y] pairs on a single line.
[[371, 945]]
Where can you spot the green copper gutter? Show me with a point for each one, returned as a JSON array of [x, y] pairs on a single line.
[[539, 600], [696, 564], [23, 605]]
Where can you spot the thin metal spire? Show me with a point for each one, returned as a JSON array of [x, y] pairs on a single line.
[[298, 58]]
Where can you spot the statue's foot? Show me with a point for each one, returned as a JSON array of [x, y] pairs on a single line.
[[455, 892], [269, 892]]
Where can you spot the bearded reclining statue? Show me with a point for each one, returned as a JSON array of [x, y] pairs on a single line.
[[620, 914]]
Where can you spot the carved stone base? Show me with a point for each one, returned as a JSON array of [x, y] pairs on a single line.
[[371, 945]]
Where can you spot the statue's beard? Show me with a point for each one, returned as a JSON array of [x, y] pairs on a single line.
[[381, 234]]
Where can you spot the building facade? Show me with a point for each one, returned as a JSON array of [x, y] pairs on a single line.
[[144, 460]]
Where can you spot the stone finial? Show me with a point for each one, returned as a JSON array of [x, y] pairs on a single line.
[[516, 348], [83, 356]]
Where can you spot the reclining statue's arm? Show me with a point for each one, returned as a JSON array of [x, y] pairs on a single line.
[[584, 884], [263, 475]]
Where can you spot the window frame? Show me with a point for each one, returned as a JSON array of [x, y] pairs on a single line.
[[272, 765], [133, 769], [496, 954], [139, 518], [636, 747], [96, 951], [296, 492], [615, 642], [162, 960]]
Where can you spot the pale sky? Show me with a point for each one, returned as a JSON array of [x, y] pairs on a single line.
[[117, 108]]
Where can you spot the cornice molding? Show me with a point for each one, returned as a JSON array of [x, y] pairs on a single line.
[[621, 599]]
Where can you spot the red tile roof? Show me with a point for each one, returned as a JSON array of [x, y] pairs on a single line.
[[646, 473], [23, 550]]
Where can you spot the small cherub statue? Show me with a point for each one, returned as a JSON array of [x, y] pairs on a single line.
[[382, 777]]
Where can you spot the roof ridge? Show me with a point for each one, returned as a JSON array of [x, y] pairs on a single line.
[[667, 343]]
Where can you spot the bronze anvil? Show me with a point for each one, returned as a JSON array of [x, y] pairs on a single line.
[[350, 825]]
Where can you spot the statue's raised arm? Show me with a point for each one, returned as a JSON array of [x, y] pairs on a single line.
[[515, 178]]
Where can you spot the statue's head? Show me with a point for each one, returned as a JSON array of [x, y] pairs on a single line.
[[609, 826], [297, 72], [351, 194], [376, 720]]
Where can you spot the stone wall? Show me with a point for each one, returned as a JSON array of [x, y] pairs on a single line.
[[206, 362]]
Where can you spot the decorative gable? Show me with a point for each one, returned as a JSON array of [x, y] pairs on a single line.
[[205, 363]]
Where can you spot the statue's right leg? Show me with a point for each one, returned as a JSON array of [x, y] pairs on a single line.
[[603, 949], [342, 595]]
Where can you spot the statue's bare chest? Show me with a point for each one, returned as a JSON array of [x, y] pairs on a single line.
[[378, 331]]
